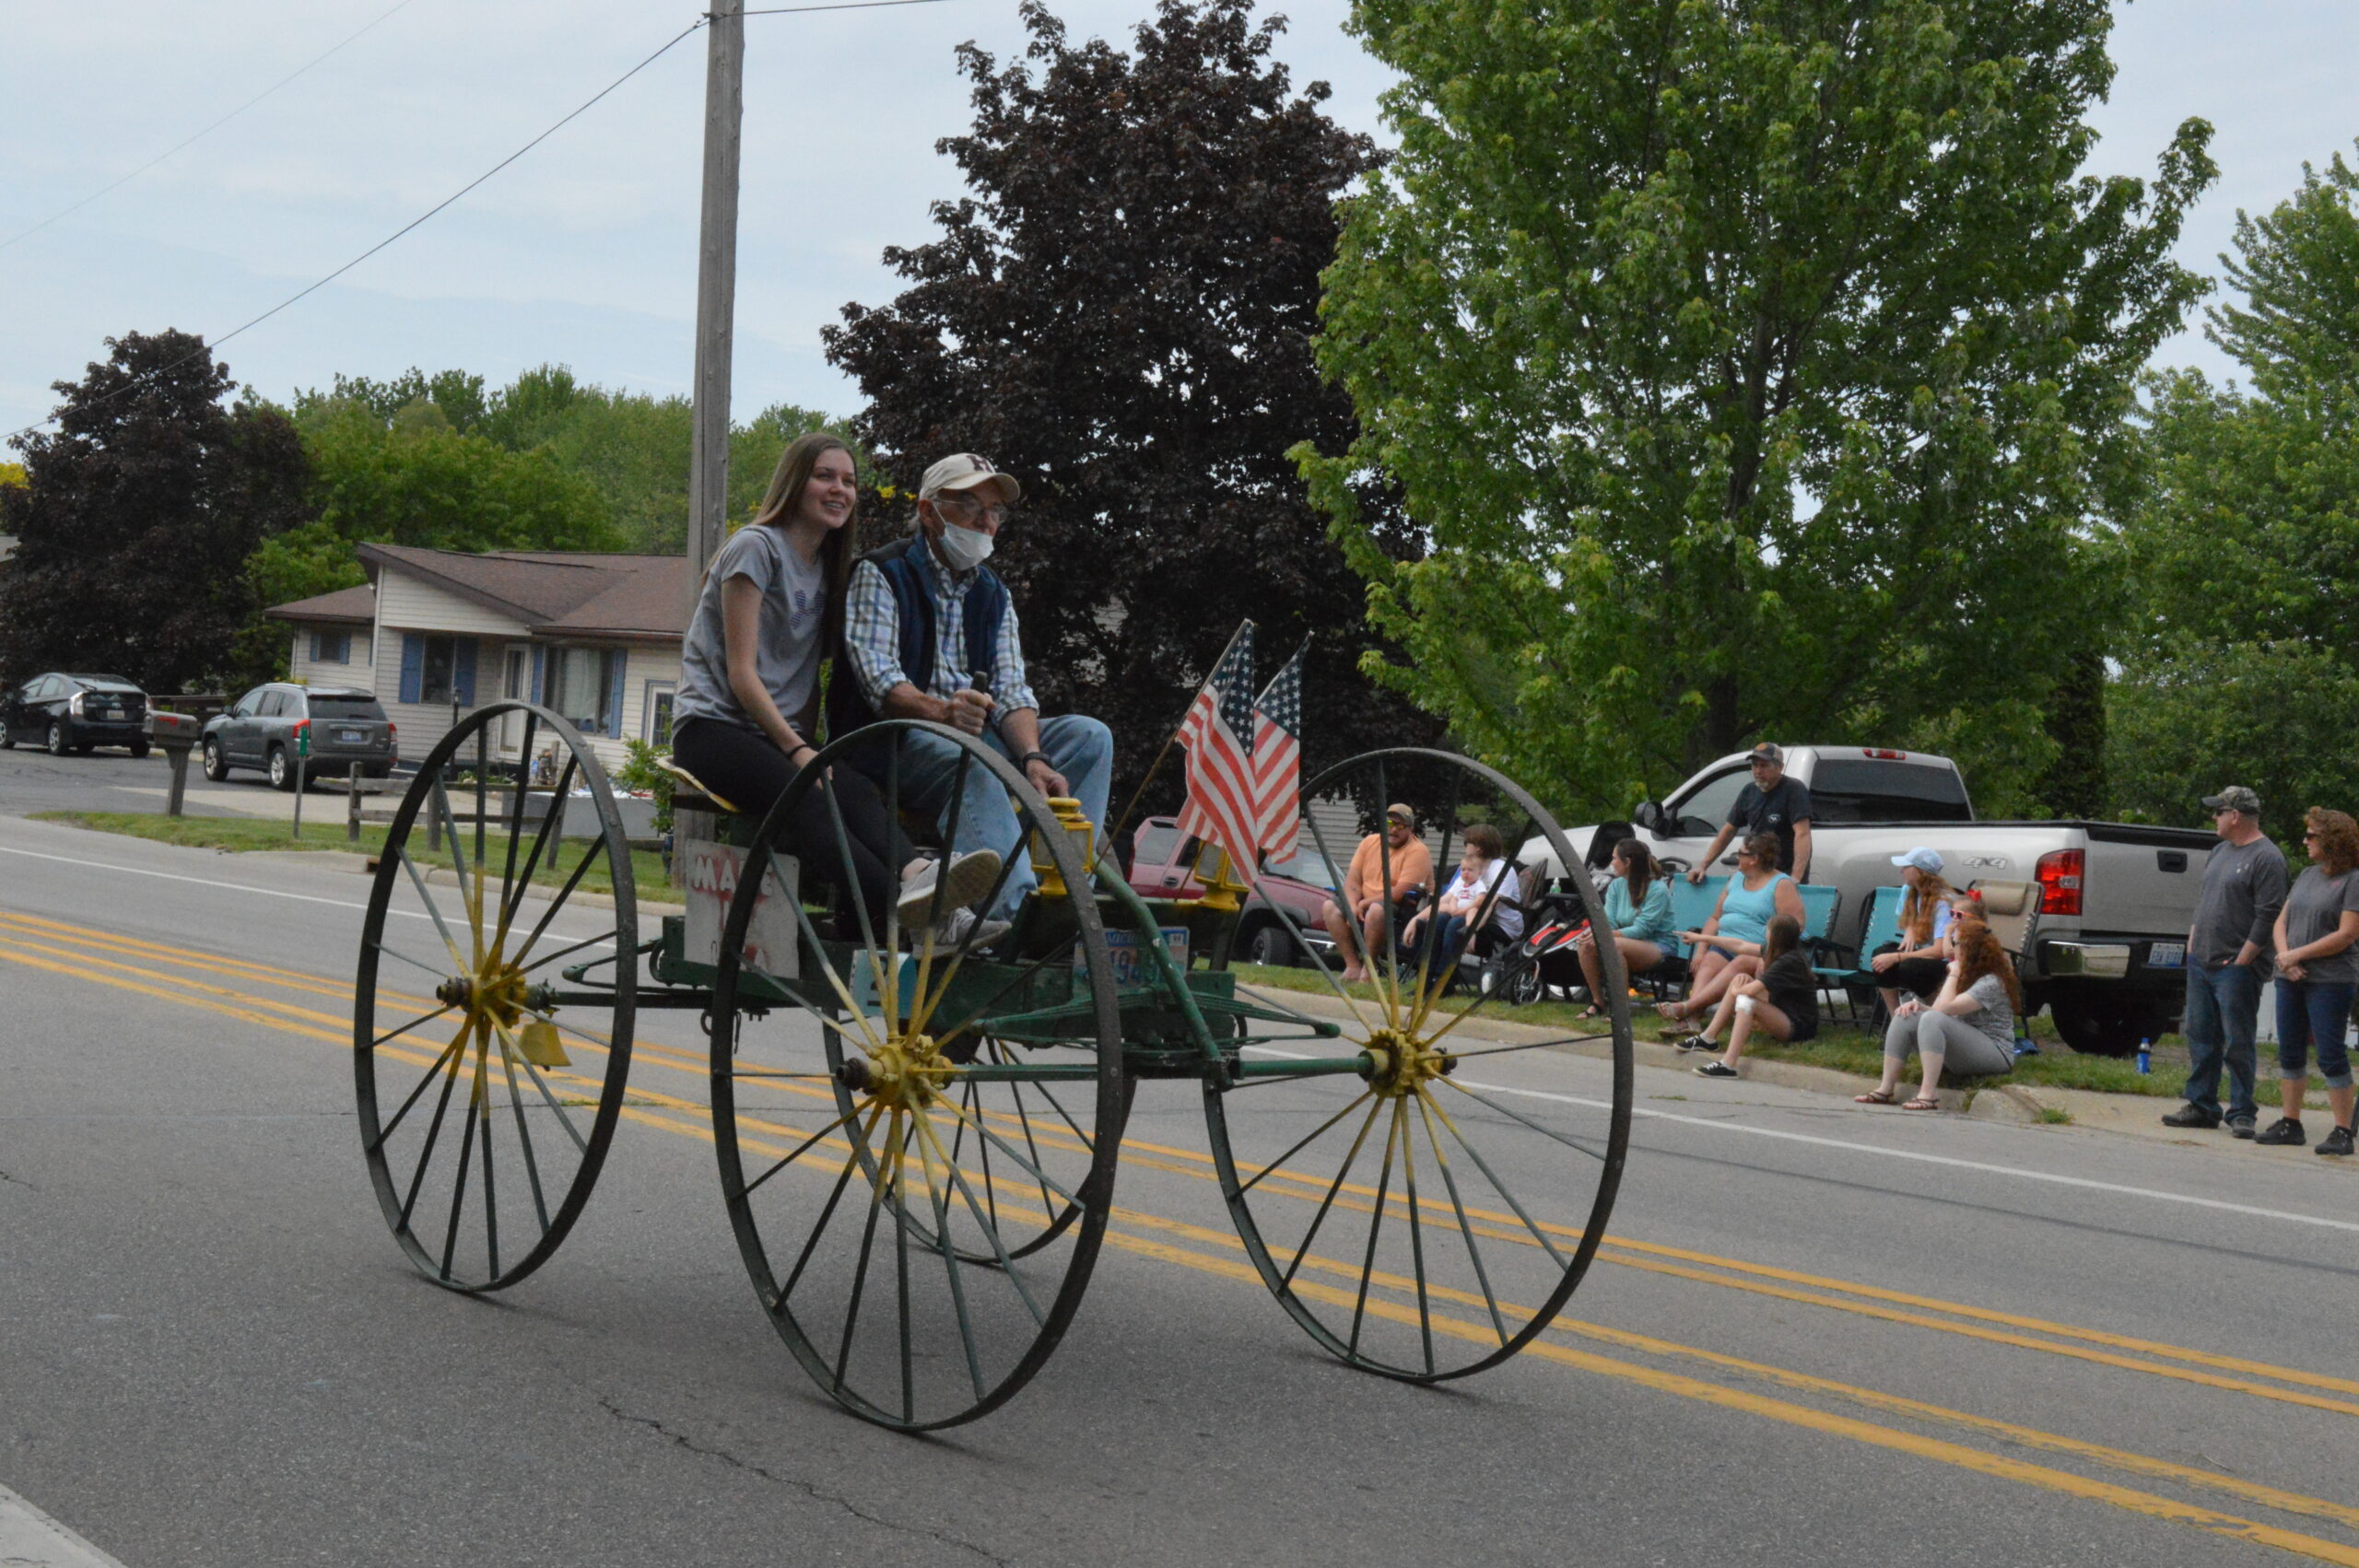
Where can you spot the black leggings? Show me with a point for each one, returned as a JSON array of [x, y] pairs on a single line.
[[1921, 975], [751, 773]]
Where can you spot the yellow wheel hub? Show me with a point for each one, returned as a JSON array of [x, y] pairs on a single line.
[[900, 1074], [1402, 1064]]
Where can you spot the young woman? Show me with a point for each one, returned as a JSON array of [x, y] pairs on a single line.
[[1485, 886], [2317, 974], [1968, 1027], [771, 608], [1729, 947], [1781, 1002], [1920, 961], [1637, 907]]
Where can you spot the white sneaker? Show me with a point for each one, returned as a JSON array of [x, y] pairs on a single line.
[[957, 925], [966, 878]]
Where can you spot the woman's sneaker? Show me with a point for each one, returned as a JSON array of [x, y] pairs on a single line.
[[1694, 1043], [963, 880], [1716, 1069], [957, 925], [2335, 1142]]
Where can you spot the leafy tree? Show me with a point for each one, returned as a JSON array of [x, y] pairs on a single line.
[[1119, 313], [1757, 368], [139, 514]]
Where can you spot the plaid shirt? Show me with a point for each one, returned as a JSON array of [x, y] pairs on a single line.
[[872, 639]]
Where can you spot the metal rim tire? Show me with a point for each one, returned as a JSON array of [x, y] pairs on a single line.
[[482, 1142], [282, 775], [1398, 1214], [918, 1232], [217, 767], [1524, 985], [57, 746]]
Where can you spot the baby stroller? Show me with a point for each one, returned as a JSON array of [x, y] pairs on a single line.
[[1527, 970]]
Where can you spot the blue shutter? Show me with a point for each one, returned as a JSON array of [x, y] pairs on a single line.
[[615, 662], [539, 692], [463, 670], [413, 666]]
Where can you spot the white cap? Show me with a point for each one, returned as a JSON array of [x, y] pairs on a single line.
[[1924, 859], [965, 470]]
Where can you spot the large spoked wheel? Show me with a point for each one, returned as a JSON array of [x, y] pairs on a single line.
[[1426, 1218], [917, 1135], [489, 1055]]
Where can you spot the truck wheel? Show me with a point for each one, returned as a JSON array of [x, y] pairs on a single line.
[[282, 772], [2102, 1026], [1271, 947], [217, 767]]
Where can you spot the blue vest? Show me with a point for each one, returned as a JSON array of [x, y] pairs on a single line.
[[986, 611]]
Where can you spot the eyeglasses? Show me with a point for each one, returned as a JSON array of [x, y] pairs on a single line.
[[962, 505]]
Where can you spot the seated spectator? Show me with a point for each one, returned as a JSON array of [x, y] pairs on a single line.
[[1920, 961], [1484, 897], [1637, 908], [1781, 1002], [1729, 947], [2318, 970], [1379, 904], [1968, 1027]]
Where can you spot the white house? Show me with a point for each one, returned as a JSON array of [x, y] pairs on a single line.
[[594, 636]]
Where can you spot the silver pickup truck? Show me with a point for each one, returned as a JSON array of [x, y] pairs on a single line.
[[2116, 898]]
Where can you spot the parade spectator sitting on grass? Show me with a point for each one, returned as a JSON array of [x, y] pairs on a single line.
[[1637, 908], [1483, 896], [1374, 899], [1772, 803], [1729, 947], [1969, 1026], [2318, 972], [2228, 951], [1920, 961], [1781, 1002]]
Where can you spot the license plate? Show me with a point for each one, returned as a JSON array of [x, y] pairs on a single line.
[[2166, 955], [350, 737]]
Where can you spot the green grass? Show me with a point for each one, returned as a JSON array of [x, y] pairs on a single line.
[[241, 835]]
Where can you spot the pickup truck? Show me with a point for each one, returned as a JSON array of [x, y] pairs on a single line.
[[2116, 898]]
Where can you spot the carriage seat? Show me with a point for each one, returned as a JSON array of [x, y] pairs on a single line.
[[689, 792]]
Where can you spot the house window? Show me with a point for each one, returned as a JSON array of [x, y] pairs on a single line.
[[331, 647], [658, 709], [441, 670], [437, 668], [585, 686]]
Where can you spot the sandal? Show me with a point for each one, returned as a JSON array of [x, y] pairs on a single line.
[[1877, 1097], [1592, 1012], [1922, 1103], [1676, 1011]]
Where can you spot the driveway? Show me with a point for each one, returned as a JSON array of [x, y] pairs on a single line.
[[32, 781]]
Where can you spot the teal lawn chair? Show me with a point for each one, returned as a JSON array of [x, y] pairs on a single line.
[[1846, 969]]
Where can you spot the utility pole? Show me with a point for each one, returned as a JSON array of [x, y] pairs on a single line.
[[724, 116]]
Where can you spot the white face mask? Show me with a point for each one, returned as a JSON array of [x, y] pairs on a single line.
[[964, 548]]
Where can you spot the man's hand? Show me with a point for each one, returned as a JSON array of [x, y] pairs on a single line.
[[1046, 779], [969, 710], [2245, 955]]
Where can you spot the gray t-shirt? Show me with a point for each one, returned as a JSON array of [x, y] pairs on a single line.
[[1995, 1018], [786, 645], [2244, 886], [2314, 909]]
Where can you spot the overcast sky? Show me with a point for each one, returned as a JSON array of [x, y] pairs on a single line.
[[583, 252]]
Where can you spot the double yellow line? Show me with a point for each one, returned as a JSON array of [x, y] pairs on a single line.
[[212, 983]]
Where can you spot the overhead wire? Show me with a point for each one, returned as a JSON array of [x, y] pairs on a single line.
[[382, 16]]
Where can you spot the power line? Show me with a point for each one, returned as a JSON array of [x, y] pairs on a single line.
[[214, 343], [840, 6], [77, 206]]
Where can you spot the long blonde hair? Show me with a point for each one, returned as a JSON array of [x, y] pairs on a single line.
[[784, 497], [1917, 910]]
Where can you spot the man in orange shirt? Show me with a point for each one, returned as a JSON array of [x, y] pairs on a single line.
[[1371, 901]]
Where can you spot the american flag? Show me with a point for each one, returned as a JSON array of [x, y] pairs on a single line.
[[1277, 759], [1217, 734]]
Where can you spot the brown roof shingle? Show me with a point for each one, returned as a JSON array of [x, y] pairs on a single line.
[[556, 593], [355, 605]]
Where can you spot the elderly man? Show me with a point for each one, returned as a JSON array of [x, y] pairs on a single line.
[[930, 633], [2228, 951], [1371, 897], [1771, 803]]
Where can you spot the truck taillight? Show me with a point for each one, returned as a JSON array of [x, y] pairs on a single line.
[[1882, 756], [2058, 871]]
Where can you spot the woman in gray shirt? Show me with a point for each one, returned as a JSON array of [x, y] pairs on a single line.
[[1968, 1028], [2318, 973]]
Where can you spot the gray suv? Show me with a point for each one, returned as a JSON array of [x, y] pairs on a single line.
[[267, 728]]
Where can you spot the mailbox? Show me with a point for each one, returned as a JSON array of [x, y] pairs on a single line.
[[177, 733]]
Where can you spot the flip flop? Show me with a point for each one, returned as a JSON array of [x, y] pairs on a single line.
[[1921, 1104], [1875, 1097]]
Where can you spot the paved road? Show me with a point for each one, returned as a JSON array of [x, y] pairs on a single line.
[[1820, 1334], [32, 781]]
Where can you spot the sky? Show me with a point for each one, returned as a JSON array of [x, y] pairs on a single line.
[[583, 252]]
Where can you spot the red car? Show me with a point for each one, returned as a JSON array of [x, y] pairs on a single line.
[[1163, 865]]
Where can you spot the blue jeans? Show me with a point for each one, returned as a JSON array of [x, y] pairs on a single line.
[[1081, 749], [2222, 1006], [2314, 1012]]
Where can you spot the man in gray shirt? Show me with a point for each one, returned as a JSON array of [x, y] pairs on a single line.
[[2229, 950]]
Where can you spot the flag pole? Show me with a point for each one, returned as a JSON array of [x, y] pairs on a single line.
[[1169, 741]]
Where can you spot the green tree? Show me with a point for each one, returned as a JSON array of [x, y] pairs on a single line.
[[139, 514], [1120, 313], [1758, 370]]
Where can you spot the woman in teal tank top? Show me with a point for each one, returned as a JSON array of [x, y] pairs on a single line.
[[1729, 947], [1638, 905]]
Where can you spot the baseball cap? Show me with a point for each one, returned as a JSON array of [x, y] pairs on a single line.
[[2235, 797], [965, 470], [1403, 812], [1765, 752], [1924, 859]]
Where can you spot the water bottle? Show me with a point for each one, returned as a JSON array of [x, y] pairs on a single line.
[[2145, 1055]]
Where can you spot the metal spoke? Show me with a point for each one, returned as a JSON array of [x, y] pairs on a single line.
[[433, 908], [466, 1150], [867, 1246], [991, 1229], [949, 1254], [797, 1152], [580, 868], [1450, 1180], [1351, 920], [1390, 988], [421, 1018], [941, 991], [458, 1043], [1481, 915], [1527, 1046], [516, 826], [546, 959], [901, 1271], [434, 1128], [827, 1212], [490, 1193], [534, 1073], [1433, 906], [835, 980], [1244, 1187], [1496, 1184], [523, 1134], [1374, 1226], [1488, 1102], [1416, 1230], [1057, 954], [942, 877], [1302, 1249], [472, 900], [982, 1131], [426, 968], [879, 960], [549, 819]]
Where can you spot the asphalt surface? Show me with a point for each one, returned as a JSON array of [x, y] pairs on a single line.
[[1819, 1333]]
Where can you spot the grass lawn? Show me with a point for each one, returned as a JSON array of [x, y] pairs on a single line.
[[1839, 1046], [242, 834]]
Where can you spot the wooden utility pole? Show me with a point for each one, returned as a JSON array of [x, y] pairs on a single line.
[[725, 116]]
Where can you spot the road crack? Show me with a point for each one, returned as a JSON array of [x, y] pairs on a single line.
[[815, 1493], [18, 1181]]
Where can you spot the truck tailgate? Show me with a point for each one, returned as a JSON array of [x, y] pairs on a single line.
[[2142, 879]]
